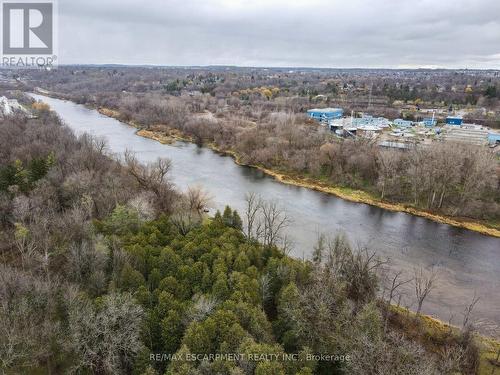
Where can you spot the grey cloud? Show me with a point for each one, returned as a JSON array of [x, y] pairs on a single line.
[[338, 33]]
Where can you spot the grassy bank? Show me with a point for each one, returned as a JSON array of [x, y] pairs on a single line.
[[359, 196], [160, 133], [433, 334]]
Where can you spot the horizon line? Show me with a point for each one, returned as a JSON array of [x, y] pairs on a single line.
[[271, 67]]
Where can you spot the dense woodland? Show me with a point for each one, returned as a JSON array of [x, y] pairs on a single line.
[[104, 265], [259, 114]]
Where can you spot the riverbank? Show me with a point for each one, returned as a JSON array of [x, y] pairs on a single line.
[[169, 136], [434, 334], [352, 195], [359, 196]]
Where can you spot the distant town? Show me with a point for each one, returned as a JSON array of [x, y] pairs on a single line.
[[402, 134]]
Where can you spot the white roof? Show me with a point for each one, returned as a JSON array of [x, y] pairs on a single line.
[[325, 110], [369, 128]]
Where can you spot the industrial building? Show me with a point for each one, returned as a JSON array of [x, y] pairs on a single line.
[[368, 131], [325, 114], [366, 126], [470, 134], [356, 122], [403, 123], [430, 122], [366, 120], [454, 120], [493, 138], [372, 127]]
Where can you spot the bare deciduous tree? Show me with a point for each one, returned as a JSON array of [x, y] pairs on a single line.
[[265, 282], [319, 249], [188, 209], [395, 283], [424, 282], [275, 221], [468, 310], [108, 338], [267, 222], [388, 162], [202, 307], [143, 205], [198, 199], [252, 209], [395, 356], [153, 177]]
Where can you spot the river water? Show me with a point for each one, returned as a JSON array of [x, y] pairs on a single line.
[[467, 262]]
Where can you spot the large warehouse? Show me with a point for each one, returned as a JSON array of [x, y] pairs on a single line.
[[325, 114]]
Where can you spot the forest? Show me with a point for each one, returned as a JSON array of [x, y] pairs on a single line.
[[106, 268]]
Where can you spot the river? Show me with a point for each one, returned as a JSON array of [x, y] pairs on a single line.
[[466, 261]]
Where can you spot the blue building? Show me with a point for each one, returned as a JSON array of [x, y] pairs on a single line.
[[325, 114], [493, 138], [430, 122], [403, 123], [454, 120]]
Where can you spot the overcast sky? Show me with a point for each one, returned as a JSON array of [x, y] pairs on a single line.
[[314, 33]]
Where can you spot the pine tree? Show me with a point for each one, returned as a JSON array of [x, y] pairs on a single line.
[[237, 223], [227, 216]]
